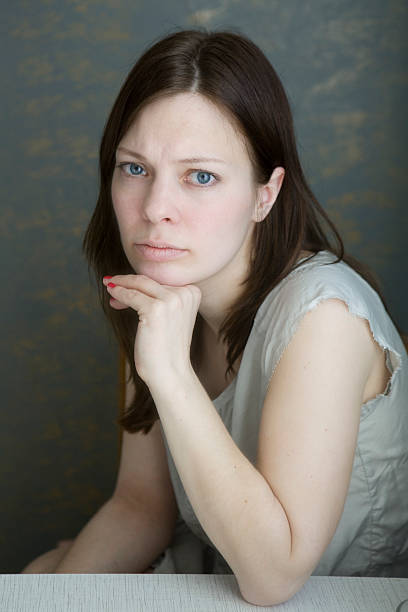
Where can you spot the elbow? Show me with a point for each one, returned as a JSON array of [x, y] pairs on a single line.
[[271, 591]]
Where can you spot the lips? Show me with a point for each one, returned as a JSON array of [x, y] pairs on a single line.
[[159, 251], [160, 245]]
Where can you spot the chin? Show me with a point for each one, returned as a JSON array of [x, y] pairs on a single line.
[[173, 278]]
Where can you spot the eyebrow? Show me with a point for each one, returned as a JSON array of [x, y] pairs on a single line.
[[187, 160]]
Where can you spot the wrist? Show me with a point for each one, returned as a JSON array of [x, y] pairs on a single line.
[[173, 382]]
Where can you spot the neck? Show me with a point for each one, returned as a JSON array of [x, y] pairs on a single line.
[[220, 292], [219, 295]]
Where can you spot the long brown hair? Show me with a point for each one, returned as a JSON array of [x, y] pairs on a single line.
[[231, 71]]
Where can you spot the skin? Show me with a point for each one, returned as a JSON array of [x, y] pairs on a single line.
[[166, 202], [271, 520]]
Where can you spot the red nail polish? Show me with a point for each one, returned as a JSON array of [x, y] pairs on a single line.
[[111, 284], [107, 277]]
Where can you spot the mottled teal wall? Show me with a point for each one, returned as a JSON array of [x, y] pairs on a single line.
[[344, 66]]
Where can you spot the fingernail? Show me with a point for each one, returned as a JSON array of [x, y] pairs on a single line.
[[111, 284], [105, 277]]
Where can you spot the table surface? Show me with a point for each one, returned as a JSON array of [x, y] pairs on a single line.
[[189, 592]]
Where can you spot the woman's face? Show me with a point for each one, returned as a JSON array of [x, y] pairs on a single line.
[[183, 178]]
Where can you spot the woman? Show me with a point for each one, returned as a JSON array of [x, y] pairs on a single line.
[[266, 427]]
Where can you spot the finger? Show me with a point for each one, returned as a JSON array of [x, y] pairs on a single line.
[[195, 291], [117, 305], [132, 298], [137, 281]]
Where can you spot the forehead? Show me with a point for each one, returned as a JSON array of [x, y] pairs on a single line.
[[184, 124]]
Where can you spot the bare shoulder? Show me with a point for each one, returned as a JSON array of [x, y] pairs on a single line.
[[333, 325], [332, 330]]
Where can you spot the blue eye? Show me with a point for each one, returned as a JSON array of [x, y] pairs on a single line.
[[131, 168], [203, 178], [135, 169]]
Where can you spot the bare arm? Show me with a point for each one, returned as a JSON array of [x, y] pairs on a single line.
[[134, 526], [137, 522], [122, 537], [273, 521]]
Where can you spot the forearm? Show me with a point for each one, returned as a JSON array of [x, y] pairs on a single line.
[[120, 538], [232, 500]]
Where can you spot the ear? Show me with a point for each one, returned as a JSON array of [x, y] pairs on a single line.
[[267, 194]]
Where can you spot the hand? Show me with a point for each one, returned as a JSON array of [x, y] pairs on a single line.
[[166, 321], [48, 562]]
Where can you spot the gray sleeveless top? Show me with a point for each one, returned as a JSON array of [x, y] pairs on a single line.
[[372, 535]]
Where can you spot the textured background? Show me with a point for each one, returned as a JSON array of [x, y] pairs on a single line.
[[343, 64]]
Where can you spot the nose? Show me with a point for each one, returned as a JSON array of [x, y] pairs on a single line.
[[159, 204]]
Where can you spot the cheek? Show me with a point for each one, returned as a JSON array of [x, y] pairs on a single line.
[[228, 218], [116, 200], [124, 206]]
